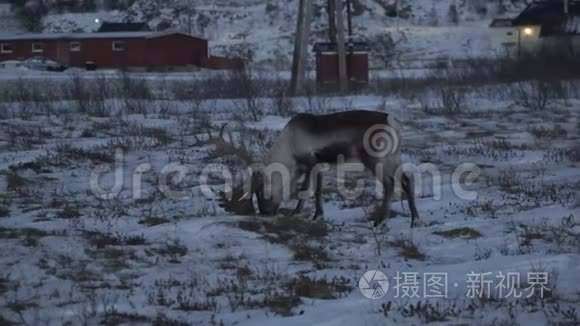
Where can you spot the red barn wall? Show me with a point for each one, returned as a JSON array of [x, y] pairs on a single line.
[[176, 50], [23, 50], [156, 52], [100, 51], [327, 67]]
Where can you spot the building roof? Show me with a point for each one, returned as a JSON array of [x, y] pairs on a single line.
[[502, 22], [550, 15], [85, 36], [108, 27]]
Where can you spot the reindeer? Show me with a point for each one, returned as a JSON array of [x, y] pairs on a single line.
[[308, 140]]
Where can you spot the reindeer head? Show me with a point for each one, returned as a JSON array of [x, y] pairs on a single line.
[[257, 185], [240, 200]]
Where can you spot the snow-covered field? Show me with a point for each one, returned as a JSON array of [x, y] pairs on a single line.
[[69, 257]]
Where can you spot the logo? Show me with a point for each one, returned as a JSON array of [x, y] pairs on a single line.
[[381, 284], [381, 140]]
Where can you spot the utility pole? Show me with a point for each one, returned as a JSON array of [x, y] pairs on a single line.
[[331, 21], [301, 46], [342, 74], [349, 19], [397, 14]]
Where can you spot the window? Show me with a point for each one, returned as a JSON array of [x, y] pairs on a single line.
[[37, 48], [119, 46], [6, 48], [75, 46]]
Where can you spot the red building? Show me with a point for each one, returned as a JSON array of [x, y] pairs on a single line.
[[357, 63], [149, 50]]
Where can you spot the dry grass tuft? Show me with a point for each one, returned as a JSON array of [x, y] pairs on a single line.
[[407, 249], [322, 288], [464, 233]]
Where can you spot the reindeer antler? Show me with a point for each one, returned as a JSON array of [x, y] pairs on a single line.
[[224, 145]]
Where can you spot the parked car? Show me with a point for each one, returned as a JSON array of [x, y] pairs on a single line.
[[44, 64]]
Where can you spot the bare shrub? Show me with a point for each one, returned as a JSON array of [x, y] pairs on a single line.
[[534, 95], [385, 49], [535, 191], [282, 104], [135, 94], [478, 207], [494, 149], [539, 65], [26, 137], [101, 93], [102, 240], [452, 100], [161, 136], [15, 182], [78, 91], [560, 237], [548, 133], [65, 155], [69, 212], [558, 314], [248, 89], [557, 155], [482, 253], [174, 250], [4, 211], [428, 312], [573, 154]]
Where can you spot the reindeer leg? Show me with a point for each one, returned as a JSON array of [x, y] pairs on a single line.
[[377, 168], [319, 207], [305, 187], [384, 210], [407, 185]]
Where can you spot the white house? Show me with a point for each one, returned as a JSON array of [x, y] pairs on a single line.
[[553, 24], [503, 35]]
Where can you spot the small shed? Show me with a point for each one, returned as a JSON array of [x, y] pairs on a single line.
[[357, 62]]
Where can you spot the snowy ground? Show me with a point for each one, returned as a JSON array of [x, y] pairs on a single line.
[[69, 257]]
